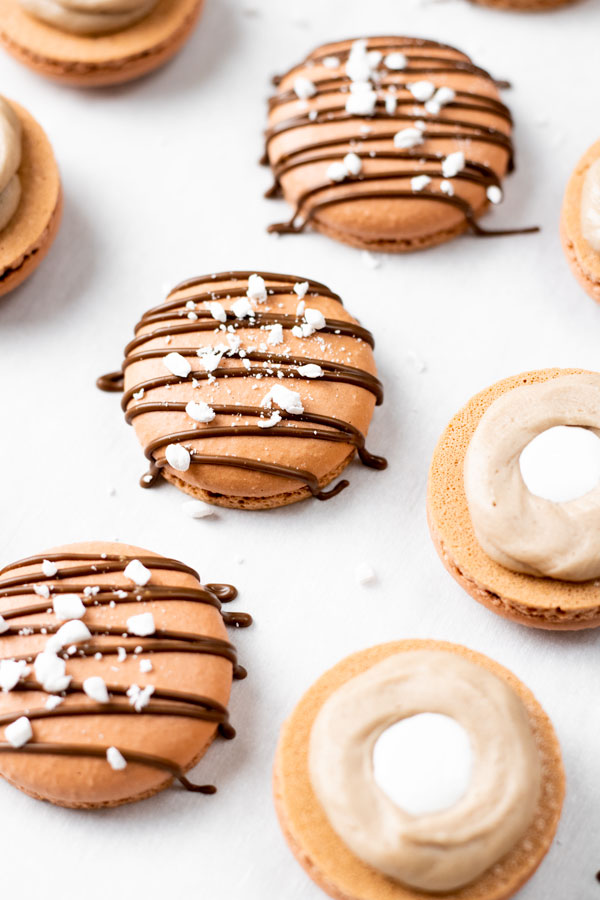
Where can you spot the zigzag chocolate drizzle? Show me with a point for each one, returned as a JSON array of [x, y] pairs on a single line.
[[163, 702], [448, 127], [325, 428]]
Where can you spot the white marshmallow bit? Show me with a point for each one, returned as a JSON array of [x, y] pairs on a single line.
[[419, 182], [42, 590], [73, 632], [358, 67], [196, 509], [288, 400], [210, 357], [331, 62], [311, 370], [48, 568], [200, 411], [50, 671], [140, 697], [257, 289], [365, 574], [115, 759], [374, 57], [52, 702], [18, 733], [142, 625], [315, 318], [391, 103], [353, 163], [370, 260], [337, 171], [217, 311], [95, 688], [304, 88], [4, 625], [177, 364], [275, 334], [242, 308], [300, 288], [453, 164], [68, 606], [422, 90], [145, 666], [408, 138], [300, 308], [137, 572], [273, 419], [494, 194], [446, 187], [178, 457], [361, 102], [11, 672], [395, 62]]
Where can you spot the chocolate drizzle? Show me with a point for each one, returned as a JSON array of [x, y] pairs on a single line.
[[447, 124], [163, 701], [256, 363]]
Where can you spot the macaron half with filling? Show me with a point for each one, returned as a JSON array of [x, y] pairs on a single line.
[[580, 222]]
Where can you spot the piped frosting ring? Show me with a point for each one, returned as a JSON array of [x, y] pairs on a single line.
[[521, 531], [446, 849]]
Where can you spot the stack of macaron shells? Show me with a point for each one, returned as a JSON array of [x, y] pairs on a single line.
[[250, 390], [388, 143], [115, 670]]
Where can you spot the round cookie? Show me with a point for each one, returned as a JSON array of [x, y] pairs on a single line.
[[583, 259], [91, 61], [102, 646], [388, 143], [28, 236], [250, 390], [530, 600], [327, 859]]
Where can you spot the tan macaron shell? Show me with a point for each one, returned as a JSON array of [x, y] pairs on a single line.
[[244, 488], [583, 259], [524, 5], [86, 783], [393, 225], [85, 61], [539, 602], [327, 859], [29, 235]]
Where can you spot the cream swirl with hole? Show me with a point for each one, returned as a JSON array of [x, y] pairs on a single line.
[[10, 160], [517, 529], [89, 17], [448, 848], [590, 206]]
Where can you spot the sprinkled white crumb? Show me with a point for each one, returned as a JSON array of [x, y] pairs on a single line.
[[446, 187], [420, 182], [273, 419], [304, 87], [68, 606], [95, 688], [395, 61], [408, 138], [288, 400], [300, 288], [11, 672], [140, 697], [115, 759], [217, 311], [145, 666], [310, 370], [196, 509], [353, 163], [369, 260], [73, 632], [257, 289], [4, 625], [142, 625], [19, 732], [49, 568], [365, 574], [337, 171], [453, 164], [200, 411], [137, 572], [52, 702], [494, 194], [177, 364], [121, 654], [178, 457], [331, 62], [421, 90]]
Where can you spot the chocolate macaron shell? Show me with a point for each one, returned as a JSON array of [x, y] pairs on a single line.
[[84, 61], [539, 602], [27, 238], [338, 404], [74, 780], [303, 141], [582, 258]]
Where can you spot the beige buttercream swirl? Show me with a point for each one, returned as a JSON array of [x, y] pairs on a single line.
[[10, 160], [91, 17], [447, 849], [519, 530], [590, 206]]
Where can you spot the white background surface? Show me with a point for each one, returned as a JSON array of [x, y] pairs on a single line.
[[161, 182]]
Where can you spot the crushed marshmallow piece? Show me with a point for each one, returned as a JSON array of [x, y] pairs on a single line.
[[300, 288], [200, 411], [137, 572], [421, 90], [446, 187], [288, 400], [95, 688], [494, 194], [453, 164], [73, 632], [300, 308], [121, 654], [4, 625], [142, 625], [419, 182], [48, 568], [315, 318], [68, 606], [115, 759], [50, 671], [145, 666], [331, 62], [257, 289], [177, 364], [361, 100], [140, 697], [11, 672], [370, 260], [395, 61], [353, 163], [441, 97], [19, 732], [178, 457], [42, 590], [358, 66], [304, 88], [391, 103], [217, 311], [242, 308], [275, 334], [337, 171], [311, 370], [196, 509], [52, 702], [365, 574], [210, 357], [408, 138], [273, 419]]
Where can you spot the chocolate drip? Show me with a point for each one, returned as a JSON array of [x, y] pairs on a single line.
[[449, 128], [326, 428]]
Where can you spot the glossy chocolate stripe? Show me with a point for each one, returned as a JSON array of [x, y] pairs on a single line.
[[94, 568], [242, 275]]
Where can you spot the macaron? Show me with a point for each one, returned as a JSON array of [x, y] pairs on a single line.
[[250, 390], [580, 222], [308, 828], [115, 671], [30, 195], [542, 602], [388, 143], [524, 5], [73, 44]]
